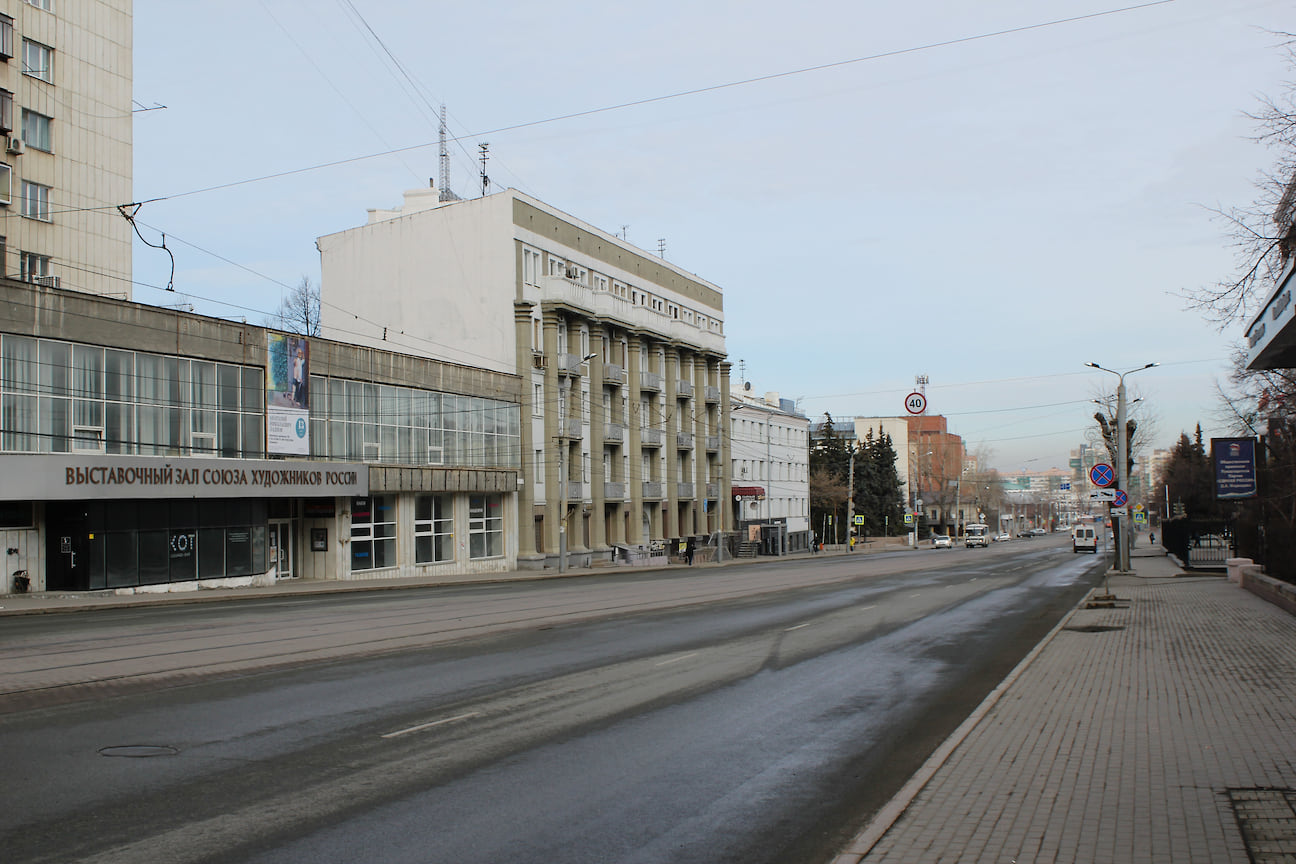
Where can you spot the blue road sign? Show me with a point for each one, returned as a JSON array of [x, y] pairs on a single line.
[[1102, 475]]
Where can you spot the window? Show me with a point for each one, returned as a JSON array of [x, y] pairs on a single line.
[[32, 265], [38, 61], [485, 526], [6, 111], [36, 131], [6, 37], [36, 201], [47, 5], [373, 532], [6, 185], [433, 529]]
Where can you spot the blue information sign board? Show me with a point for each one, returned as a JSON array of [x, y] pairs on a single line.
[[1235, 467]]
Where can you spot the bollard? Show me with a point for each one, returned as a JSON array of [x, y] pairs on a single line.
[[1235, 566]]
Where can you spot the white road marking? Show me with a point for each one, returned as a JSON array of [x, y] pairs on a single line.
[[866, 608], [676, 659], [797, 627], [423, 726]]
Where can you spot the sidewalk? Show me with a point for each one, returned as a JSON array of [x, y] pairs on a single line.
[[1161, 730]]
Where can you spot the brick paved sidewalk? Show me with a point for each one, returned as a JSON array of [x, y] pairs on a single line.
[[1149, 732]]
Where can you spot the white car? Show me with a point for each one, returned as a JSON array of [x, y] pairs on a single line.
[[1002, 537], [942, 541]]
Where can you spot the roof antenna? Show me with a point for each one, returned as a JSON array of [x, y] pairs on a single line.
[[484, 147]]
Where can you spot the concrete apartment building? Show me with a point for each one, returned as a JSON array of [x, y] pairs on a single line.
[[621, 354], [65, 137], [770, 454], [148, 449]]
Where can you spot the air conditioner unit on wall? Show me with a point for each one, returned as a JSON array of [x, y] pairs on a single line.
[[14, 145], [538, 359]]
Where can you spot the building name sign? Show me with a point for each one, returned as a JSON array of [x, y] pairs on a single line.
[[64, 477]]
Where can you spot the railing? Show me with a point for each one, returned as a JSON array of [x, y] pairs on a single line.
[[650, 381], [683, 388], [614, 491], [684, 440], [613, 432], [683, 490], [570, 428], [575, 491], [605, 304], [713, 490], [613, 374], [713, 443], [711, 394], [569, 364], [649, 437], [652, 489]]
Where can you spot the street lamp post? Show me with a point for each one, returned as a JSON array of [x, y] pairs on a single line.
[[1120, 525]]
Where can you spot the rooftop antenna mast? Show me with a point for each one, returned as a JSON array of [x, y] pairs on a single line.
[[443, 177], [484, 147]]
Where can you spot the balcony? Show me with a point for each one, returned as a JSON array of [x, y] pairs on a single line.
[[570, 428], [713, 490], [613, 374], [650, 381], [614, 491], [652, 490], [613, 433], [651, 437], [713, 443], [575, 491], [711, 394], [684, 440], [604, 304], [683, 490], [569, 364], [683, 388]]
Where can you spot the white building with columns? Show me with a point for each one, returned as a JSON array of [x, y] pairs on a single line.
[[622, 353]]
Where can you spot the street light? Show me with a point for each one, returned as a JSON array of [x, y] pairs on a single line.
[[1120, 525]]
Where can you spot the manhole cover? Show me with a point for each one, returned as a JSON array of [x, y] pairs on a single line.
[[139, 751], [1094, 628]]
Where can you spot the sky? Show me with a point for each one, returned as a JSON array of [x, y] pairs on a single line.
[[988, 194]]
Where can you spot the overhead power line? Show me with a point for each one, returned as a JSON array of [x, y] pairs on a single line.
[[697, 91]]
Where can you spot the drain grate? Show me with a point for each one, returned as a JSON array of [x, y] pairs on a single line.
[[1267, 820], [139, 751]]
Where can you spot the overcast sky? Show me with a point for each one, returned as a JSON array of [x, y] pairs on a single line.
[[990, 209]]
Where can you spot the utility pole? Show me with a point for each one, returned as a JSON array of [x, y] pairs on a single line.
[[850, 503], [1120, 524]]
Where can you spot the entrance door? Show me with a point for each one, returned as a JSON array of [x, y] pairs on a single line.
[[281, 543], [67, 550]]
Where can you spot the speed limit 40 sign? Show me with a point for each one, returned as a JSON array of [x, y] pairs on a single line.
[[915, 403]]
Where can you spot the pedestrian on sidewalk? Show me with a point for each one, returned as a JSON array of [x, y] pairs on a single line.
[[689, 549]]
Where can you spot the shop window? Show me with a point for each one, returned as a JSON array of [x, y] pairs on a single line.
[[485, 526], [373, 532], [433, 529]]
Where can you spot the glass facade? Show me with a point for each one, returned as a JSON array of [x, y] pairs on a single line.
[[485, 526], [433, 529], [373, 532], [60, 397], [363, 422]]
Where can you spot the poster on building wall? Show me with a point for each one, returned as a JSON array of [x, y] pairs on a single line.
[[287, 394]]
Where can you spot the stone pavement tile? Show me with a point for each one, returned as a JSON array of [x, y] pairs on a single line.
[[1121, 740]]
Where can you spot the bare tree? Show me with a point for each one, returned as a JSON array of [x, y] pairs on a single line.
[[299, 310], [1260, 232]]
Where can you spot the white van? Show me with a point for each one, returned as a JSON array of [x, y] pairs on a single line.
[[976, 534], [1084, 537]]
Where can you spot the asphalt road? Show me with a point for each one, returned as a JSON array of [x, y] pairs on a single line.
[[753, 713]]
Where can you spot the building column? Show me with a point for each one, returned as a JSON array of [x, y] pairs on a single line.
[[597, 445], [553, 509], [526, 489], [726, 453], [635, 422], [701, 456], [670, 516]]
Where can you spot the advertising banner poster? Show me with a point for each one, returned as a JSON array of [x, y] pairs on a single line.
[[287, 394], [1235, 467]]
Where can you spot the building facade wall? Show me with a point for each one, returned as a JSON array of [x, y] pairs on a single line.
[[621, 354], [104, 412], [69, 132]]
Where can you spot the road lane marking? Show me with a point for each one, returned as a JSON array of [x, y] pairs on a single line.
[[919, 594], [797, 627], [866, 608], [675, 659], [440, 722]]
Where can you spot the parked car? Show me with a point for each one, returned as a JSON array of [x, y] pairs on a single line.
[[942, 541], [1002, 536]]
